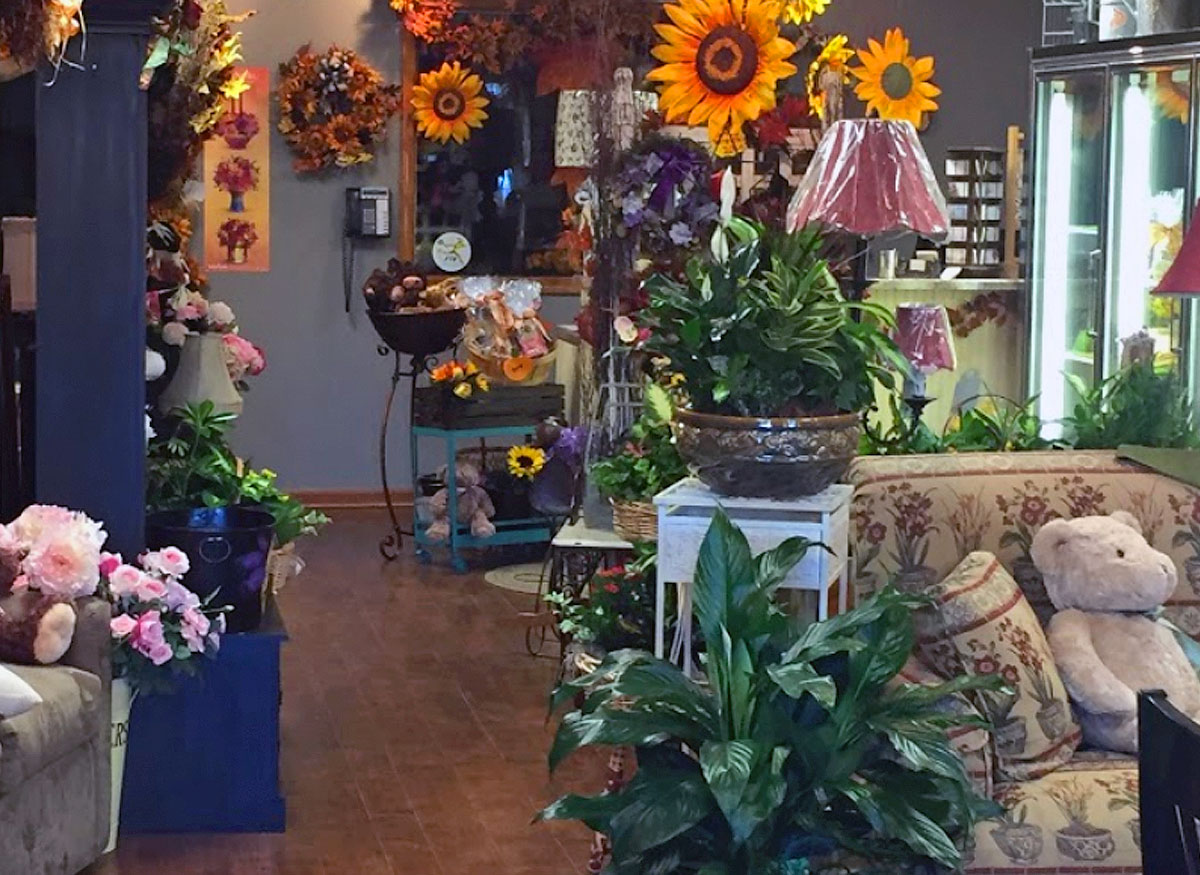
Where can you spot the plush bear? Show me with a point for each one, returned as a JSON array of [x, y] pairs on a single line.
[[474, 505], [1106, 581], [35, 629]]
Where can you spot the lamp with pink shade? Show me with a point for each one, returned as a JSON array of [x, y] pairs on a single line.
[[924, 336], [870, 177], [1183, 277]]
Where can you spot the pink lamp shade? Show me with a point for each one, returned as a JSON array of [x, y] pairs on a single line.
[[1183, 278], [871, 177], [924, 336]]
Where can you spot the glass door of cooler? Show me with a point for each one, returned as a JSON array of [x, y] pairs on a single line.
[[1151, 162], [1068, 255]]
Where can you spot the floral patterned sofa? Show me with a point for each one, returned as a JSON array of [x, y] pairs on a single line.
[[916, 518]]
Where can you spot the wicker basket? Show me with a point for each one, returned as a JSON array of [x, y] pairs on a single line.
[[635, 520], [282, 564]]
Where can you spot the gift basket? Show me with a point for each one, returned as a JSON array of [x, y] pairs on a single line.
[[505, 337]]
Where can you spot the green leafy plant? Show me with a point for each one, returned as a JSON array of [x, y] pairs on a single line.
[[192, 465], [801, 743], [766, 331], [1136, 405], [992, 424], [648, 462]]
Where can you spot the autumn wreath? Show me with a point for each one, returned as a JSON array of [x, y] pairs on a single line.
[[333, 108]]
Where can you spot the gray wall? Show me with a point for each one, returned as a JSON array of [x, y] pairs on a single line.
[[314, 415]]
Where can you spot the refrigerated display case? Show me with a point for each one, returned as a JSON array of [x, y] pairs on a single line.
[[1116, 163]]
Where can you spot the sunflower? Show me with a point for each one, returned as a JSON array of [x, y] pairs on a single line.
[[833, 56], [720, 61], [448, 103], [892, 82], [525, 462], [803, 11]]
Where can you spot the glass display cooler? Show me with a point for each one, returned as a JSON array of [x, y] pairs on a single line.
[[1116, 163]]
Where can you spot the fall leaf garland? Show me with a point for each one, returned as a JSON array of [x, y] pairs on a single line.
[[333, 108]]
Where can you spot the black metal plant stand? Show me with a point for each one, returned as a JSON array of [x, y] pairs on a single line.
[[391, 543], [420, 336]]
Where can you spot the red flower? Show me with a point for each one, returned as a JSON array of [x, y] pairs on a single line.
[[876, 532], [1010, 674], [795, 110], [614, 571], [1033, 510], [986, 665], [772, 129], [612, 588], [191, 14]]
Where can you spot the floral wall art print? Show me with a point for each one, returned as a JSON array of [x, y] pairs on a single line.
[[237, 177]]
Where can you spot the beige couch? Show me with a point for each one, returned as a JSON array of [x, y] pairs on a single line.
[[916, 518], [54, 759]]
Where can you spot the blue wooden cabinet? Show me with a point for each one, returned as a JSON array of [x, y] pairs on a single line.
[[205, 758]]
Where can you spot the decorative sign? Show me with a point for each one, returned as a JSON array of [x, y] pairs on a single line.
[[237, 178]]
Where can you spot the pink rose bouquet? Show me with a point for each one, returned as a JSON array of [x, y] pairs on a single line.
[[51, 550], [160, 628]]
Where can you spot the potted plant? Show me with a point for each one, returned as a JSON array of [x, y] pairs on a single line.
[[801, 746], [228, 515], [777, 364], [645, 464]]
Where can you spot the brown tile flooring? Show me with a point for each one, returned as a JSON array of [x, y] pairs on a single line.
[[414, 732]]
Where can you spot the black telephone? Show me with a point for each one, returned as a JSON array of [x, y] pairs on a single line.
[[368, 212]]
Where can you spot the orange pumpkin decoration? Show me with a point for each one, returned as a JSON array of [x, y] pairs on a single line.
[[518, 368]]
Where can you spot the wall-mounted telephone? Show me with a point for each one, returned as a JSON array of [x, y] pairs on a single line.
[[368, 212], [368, 216]]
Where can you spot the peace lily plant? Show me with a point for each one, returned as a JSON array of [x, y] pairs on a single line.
[[800, 745]]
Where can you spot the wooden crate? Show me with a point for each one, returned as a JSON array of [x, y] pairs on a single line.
[[433, 407]]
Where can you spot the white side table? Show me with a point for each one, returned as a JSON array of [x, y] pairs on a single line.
[[685, 512]]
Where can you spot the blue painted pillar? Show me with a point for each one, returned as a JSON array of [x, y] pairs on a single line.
[[91, 207]]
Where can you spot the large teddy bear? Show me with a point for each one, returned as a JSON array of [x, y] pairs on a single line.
[[474, 505], [1105, 580]]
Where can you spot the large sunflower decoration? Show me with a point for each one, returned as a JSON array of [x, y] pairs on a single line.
[[720, 63], [448, 102], [892, 82]]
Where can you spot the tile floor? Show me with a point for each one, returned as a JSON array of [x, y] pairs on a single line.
[[414, 732]]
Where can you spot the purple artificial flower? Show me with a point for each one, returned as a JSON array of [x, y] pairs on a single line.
[[681, 234]]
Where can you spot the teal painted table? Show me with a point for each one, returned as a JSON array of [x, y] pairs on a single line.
[[531, 530]]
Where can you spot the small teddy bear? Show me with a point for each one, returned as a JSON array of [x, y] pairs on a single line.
[[35, 629], [474, 505], [1106, 580]]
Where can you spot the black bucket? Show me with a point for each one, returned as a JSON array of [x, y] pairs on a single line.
[[228, 548]]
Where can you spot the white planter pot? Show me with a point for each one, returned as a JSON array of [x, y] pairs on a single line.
[[122, 706], [202, 376]]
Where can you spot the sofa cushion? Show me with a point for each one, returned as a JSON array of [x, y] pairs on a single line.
[[1081, 819], [981, 624], [64, 720]]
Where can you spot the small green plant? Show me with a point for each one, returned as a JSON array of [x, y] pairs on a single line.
[[1136, 405], [800, 744], [192, 465], [990, 424], [648, 462], [616, 608]]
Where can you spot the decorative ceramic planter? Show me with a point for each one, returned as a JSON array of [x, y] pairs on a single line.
[[237, 202], [1085, 846], [122, 706], [767, 458]]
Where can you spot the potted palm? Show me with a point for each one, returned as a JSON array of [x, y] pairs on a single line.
[[778, 365], [802, 748]]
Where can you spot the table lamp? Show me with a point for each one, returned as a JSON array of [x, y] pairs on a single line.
[[924, 336], [870, 177]]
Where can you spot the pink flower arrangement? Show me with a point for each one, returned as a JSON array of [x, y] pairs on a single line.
[[52, 550], [243, 358], [236, 175], [159, 626]]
